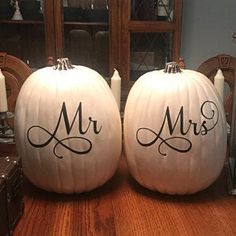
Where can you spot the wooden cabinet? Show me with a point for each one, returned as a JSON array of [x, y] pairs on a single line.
[[144, 35], [132, 36], [60, 31], [31, 39], [148, 33], [20, 40], [82, 34]]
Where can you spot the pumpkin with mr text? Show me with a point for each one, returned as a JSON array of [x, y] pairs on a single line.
[[175, 131], [68, 129]]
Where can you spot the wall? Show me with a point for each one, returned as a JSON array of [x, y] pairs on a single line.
[[207, 30]]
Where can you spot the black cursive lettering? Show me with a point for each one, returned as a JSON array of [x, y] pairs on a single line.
[[184, 128], [86, 143]]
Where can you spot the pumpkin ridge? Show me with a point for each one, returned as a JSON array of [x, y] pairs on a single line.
[[207, 84], [202, 155], [133, 160], [191, 165], [222, 119], [37, 110]]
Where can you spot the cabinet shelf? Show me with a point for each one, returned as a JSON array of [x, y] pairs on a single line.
[[67, 23], [21, 22], [132, 39], [76, 23], [29, 22]]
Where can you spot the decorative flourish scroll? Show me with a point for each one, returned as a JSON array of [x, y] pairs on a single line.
[[61, 141], [184, 126]]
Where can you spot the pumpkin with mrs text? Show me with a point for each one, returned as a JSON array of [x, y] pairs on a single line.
[[68, 129], [174, 131]]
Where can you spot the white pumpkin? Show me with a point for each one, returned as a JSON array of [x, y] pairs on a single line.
[[68, 129], [174, 131]]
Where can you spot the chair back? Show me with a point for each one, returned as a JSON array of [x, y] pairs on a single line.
[[227, 64], [15, 72]]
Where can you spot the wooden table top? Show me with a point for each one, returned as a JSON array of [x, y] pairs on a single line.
[[122, 207]]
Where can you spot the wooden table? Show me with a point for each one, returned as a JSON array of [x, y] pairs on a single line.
[[122, 207]]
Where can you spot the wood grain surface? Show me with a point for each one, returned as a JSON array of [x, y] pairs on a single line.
[[122, 207]]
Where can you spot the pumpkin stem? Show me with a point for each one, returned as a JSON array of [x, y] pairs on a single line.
[[63, 64], [172, 68]]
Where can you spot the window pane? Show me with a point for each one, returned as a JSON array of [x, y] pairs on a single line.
[[87, 38], [152, 10], [17, 37], [149, 51], [88, 46]]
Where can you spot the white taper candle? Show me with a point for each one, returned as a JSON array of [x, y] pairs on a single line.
[[3, 94], [219, 83], [116, 86]]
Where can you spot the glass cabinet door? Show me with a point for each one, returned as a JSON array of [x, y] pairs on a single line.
[[150, 35], [22, 31], [155, 10], [86, 33], [149, 51]]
